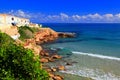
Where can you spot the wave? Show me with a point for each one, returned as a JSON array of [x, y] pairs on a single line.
[[95, 74], [97, 55]]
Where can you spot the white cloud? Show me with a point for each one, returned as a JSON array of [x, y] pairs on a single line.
[[118, 15], [95, 16], [109, 15], [76, 17], [19, 13], [62, 17], [84, 17]]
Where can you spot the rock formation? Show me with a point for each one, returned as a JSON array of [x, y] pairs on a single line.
[[45, 35], [66, 35]]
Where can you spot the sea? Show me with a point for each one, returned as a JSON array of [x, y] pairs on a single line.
[[96, 48]]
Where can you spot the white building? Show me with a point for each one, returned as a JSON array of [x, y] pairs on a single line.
[[9, 20]]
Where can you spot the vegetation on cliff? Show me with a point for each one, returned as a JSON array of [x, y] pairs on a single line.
[[27, 32], [17, 62]]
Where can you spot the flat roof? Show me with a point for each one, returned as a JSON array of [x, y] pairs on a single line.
[[14, 16]]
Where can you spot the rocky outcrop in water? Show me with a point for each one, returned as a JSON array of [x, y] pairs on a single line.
[[42, 36], [45, 35], [66, 35]]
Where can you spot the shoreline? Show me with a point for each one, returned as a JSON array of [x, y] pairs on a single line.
[[35, 39], [46, 36], [85, 60], [59, 44], [64, 62], [59, 58]]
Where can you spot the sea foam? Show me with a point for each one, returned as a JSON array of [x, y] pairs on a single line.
[[94, 74], [97, 55]]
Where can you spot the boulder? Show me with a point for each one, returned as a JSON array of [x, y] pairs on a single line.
[[45, 35], [68, 63], [56, 56], [48, 70], [58, 77], [43, 60], [51, 59], [66, 35], [61, 68], [44, 53], [51, 75], [28, 45], [54, 69]]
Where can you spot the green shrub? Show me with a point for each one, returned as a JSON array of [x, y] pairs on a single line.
[[5, 39], [17, 63], [27, 32]]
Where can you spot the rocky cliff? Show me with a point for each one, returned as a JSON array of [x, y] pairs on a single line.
[[42, 36], [45, 35]]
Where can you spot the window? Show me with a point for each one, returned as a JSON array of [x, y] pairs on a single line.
[[12, 19]]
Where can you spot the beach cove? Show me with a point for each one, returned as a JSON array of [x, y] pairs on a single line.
[[95, 49], [33, 39], [71, 54]]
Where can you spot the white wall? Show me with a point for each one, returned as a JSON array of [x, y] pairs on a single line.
[[1, 19], [17, 20], [8, 19]]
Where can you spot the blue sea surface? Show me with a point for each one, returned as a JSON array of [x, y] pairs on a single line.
[[96, 38], [96, 48]]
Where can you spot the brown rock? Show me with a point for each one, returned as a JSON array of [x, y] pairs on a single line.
[[61, 67], [30, 44], [37, 39], [51, 75], [48, 70], [57, 77], [43, 60], [41, 53], [56, 56], [66, 35], [46, 54], [54, 69], [68, 63], [45, 35], [51, 59], [36, 50]]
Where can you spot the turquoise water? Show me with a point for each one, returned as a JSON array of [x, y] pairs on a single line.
[[96, 49]]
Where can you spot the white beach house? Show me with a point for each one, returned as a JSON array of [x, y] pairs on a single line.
[[9, 20]]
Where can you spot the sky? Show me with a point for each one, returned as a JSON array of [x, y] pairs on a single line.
[[64, 11]]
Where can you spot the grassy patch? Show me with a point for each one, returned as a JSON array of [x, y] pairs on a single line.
[[27, 32], [5, 39]]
